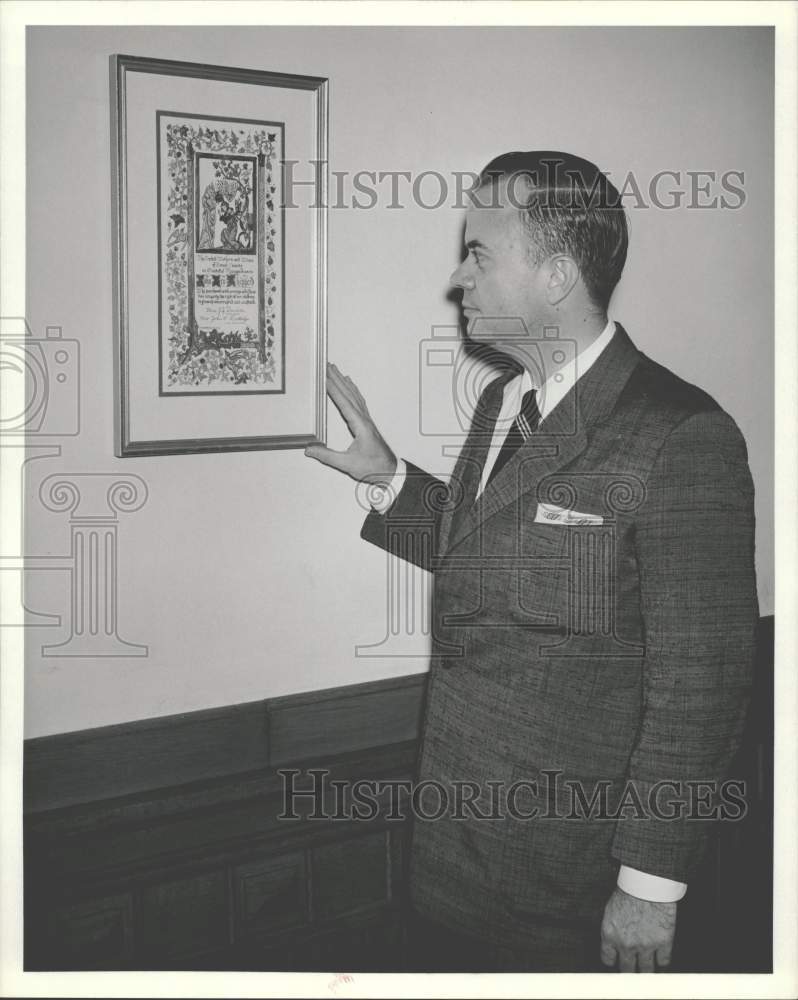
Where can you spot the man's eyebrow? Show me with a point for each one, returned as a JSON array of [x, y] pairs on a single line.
[[475, 245]]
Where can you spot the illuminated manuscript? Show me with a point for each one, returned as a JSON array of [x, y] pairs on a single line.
[[220, 255]]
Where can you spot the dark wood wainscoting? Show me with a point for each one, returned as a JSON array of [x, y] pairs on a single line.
[[159, 844]]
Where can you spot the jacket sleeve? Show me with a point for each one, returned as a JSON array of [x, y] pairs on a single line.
[[695, 550], [410, 527]]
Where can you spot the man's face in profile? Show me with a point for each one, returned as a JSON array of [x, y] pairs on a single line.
[[503, 289]]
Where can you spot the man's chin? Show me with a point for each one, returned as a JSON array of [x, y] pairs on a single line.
[[496, 330], [481, 333], [492, 351]]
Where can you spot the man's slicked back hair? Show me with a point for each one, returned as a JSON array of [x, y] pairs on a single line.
[[569, 206]]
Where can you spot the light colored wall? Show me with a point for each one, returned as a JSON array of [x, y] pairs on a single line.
[[244, 573]]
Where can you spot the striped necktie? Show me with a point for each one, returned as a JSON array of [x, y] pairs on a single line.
[[524, 426]]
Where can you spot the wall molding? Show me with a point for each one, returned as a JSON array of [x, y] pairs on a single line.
[[131, 758]]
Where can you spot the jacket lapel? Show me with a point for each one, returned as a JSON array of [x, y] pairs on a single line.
[[471, 460], [561, 438]]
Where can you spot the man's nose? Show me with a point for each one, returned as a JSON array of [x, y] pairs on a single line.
[[459, 278]]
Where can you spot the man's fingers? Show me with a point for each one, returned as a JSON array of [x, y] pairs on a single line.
[[338, 389], [344, 383], [645, 960], [629, 959], [609, 955], [327, 456], [664, 955], [341, 393], [638, 929], [359, 397], [348, 410]]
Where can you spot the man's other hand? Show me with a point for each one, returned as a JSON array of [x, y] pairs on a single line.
[[635, 931], [368, 458]]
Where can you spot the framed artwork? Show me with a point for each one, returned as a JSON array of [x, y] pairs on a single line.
[[219, 212]]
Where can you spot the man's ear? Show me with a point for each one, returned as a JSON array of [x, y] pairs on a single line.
[[563, 276]]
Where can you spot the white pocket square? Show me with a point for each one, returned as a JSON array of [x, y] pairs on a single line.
[[549, 513]]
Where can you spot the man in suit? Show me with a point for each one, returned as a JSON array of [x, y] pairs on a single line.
[[594, 601]]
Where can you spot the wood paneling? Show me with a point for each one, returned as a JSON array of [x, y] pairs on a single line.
[[356, 717], [160, 845], [270, 895], [113, 761], [97, 934], [183, 917], [205, 873], [350, 875]]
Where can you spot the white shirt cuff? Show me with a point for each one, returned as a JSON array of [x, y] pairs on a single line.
[[381, 497], [654, 888]]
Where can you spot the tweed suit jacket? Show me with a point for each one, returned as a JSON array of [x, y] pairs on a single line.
[[613, 655]]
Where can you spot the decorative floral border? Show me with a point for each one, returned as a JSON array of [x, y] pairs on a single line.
[[218, 365]]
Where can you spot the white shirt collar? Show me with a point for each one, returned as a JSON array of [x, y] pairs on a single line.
[[558, 384], [549, 395]]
